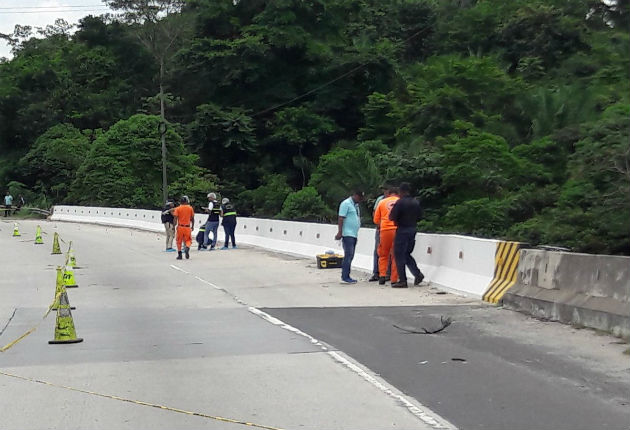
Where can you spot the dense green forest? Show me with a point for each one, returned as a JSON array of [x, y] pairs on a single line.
[[509, 118]]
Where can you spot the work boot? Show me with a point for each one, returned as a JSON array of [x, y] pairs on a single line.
[[186, 251], [418, 279], [374, 278], [179, 255], [399, 284], [382, 280]]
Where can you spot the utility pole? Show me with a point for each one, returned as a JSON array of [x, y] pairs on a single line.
[[163, 133], [158, 25]]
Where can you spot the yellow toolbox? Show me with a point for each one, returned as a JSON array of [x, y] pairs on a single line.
[[329, 261]]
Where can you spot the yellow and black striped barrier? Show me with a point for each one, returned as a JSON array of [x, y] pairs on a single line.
[[506, 260]]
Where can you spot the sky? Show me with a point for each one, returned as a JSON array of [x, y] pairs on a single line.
[[39, 13]]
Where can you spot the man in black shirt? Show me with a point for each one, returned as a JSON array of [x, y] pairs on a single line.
[[169, 225], [406, 213]]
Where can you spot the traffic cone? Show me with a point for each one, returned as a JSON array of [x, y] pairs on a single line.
[[72, 261], [64, 325], [38, 236], [56, 248], [68, 279], [59, 289], [16, 230]]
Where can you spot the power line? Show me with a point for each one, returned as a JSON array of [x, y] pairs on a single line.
[[314, 90], [54, 11], [332, 81], [52, 7]]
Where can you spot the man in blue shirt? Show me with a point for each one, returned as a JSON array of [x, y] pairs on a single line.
[[349, 223], [8, 202]]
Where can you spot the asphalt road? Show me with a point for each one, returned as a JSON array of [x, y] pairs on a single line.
[[199, 335], [476, 380]]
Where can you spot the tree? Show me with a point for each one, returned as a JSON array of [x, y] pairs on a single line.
[[267, 199], [592, 209], [221, 135], [159, 26], [342, 171], [500, 114], [50, 166], [122, 169], [298, 129], [305, 205], [450, 88], [478, 164]]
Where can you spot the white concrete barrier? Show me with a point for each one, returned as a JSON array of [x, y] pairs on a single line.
[[460, 264]]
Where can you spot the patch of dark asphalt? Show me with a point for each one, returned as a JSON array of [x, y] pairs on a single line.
[[474, 379]]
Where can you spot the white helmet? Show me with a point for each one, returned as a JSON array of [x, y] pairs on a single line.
[[212, 196], [225, 201]]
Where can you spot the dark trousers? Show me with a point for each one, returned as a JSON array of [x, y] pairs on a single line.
[[229, 233], [403, 247], [7, 212], [349, 244]]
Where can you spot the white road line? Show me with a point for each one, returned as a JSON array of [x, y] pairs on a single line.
[[179, 268], [209, 283], [236, 299], [422, 412], [417, 409], [276, 321]]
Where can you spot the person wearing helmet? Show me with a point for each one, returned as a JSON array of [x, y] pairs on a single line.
[[185, 216], [212, 224], [228, 212]]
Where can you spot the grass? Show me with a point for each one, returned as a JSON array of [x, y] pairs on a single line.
[[25, 213]]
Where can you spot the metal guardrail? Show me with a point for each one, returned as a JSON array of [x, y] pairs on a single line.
[[16, 209]]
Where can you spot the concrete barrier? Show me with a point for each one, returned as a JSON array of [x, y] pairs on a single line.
[[505, 270], [461, 264], [582, 289]]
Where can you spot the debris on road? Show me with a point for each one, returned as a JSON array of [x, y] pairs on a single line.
[[445, 323]]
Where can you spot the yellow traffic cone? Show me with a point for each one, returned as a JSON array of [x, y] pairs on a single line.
[[16, 230], [68, 279], [72, 261], [38, 236], [59, 289], [56, 248], [64, 325]]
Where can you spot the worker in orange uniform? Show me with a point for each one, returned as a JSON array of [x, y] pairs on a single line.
[[185, 218], [388, 233]]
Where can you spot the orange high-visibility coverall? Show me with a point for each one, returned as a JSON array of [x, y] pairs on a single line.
[[388, 233], [185, 214]]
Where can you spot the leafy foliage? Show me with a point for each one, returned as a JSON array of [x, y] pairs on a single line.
[[123, 167], [305, 205], [52, 162], [509, 118]]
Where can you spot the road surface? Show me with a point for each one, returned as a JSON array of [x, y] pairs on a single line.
[[248, 336]]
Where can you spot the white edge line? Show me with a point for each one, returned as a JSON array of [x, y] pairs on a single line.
[[236, 299], [179, 268], [417, 409], [209, 283]]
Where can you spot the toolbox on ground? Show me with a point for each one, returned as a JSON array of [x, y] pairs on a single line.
[[329, 261]]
